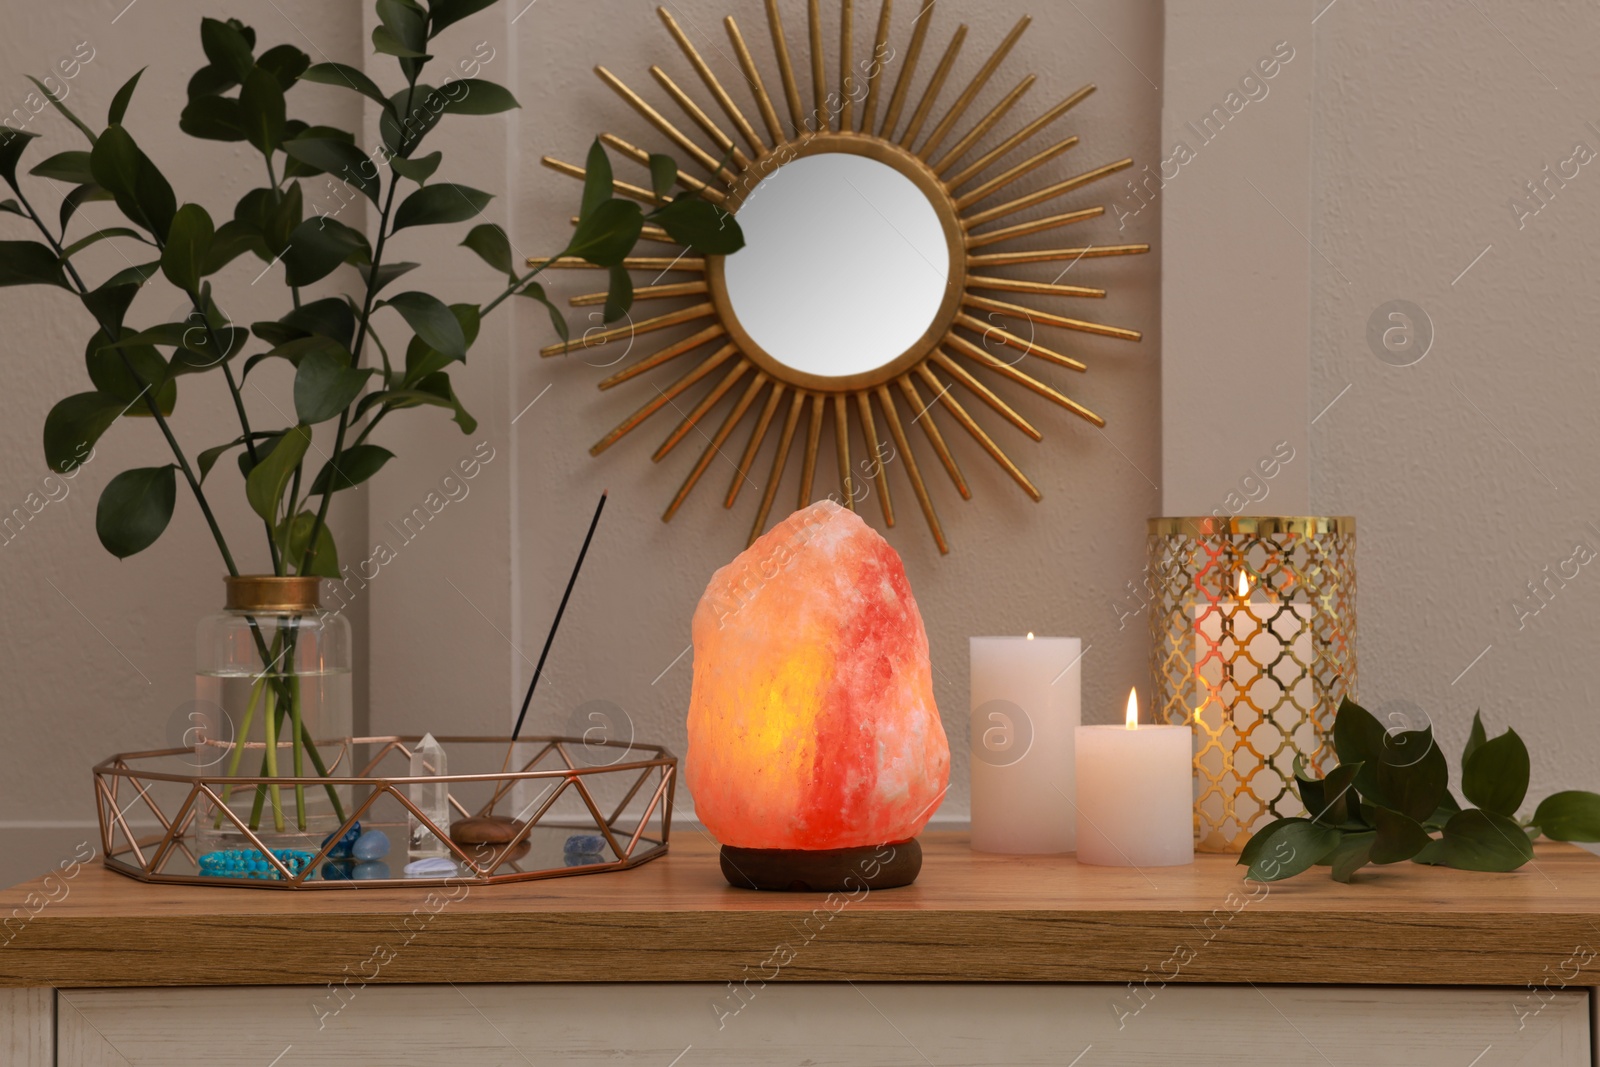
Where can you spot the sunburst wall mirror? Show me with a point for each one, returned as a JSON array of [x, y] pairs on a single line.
[[866, 290]]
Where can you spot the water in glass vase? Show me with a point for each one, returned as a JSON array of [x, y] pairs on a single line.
[[309, 713]]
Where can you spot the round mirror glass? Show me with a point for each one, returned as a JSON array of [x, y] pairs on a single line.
[[844, 265]]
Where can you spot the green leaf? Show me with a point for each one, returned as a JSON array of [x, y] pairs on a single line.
[[1258, 842], [493, 247], [296, 350], [1290, 847], [266, 482], [120, 102], [318, 246], [1399, 837], [356, 465], [294, 130], [329, 317], [474, 96], [262, 108], [213, 118], [597, 180], [209, 457], [227, 47], [65, 167], [385, 274], [444, 13], [422, 361], [1571, 815], [1351, 854], [619, 296], [412, 113], [83, 127], [608, 234], [407, 19], [430, 320], [342, 159], [136, 275], [109, 371], [1337, 797], [12, 206], [324, 385], [1358, 737], [1476, 840], [535, 291], [1414, 778], [1495, 775], [74, 425], [142, 193], [418, 170], [442, 203], [294, 535], [12, 144], [96, 237], [285, 63], [386, 42], [663, 173], [232, 240], [433, 390], [196, 352], [1441, 815], [210, 80], [701, 225], [188, 246], [109, 303], [135, 508], [348, 77], [265, 443], [29, 263], [1475, 737], [83, 194]]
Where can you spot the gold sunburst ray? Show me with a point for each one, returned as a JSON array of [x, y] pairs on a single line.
[[921, 138]]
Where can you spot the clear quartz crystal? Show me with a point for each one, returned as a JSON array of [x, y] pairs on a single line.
[[431, 798]]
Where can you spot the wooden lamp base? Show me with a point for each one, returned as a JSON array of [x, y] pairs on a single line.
[[799, 870]]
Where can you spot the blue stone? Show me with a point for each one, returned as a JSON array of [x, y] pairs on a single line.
[[342, 849], [432, 867], [366, 872], [585, 844], [333, 871], [372, 845]]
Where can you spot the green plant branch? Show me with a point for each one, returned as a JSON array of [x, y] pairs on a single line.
[[151, 403]]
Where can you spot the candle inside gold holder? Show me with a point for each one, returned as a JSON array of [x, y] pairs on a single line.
[[1253, 619]]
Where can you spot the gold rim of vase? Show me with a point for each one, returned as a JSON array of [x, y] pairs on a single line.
[[1201, 526], [269, 592]]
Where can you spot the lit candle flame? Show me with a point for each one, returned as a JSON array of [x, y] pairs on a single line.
[[1244, 586], [1133, 709], [1030, 635]]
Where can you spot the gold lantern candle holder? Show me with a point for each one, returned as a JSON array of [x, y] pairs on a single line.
[[1254, 624]]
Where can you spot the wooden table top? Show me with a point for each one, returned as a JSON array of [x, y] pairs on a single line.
[[969, 917]]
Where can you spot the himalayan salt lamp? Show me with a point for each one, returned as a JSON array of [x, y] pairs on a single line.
[[816, 753]]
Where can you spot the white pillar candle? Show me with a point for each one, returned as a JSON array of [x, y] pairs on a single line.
[[1026, 702], [1134, 806]]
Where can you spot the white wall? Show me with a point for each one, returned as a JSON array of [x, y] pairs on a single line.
[[1472, 470]]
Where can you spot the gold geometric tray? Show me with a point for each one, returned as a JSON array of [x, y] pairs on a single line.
[[620, 790]]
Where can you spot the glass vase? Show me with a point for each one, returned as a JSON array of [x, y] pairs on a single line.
[[273, 688]]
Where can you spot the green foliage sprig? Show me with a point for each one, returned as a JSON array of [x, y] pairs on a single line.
[[1390, 796], [242, 96]]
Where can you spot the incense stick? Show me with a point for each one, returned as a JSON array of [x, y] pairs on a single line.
[[556, 625]]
